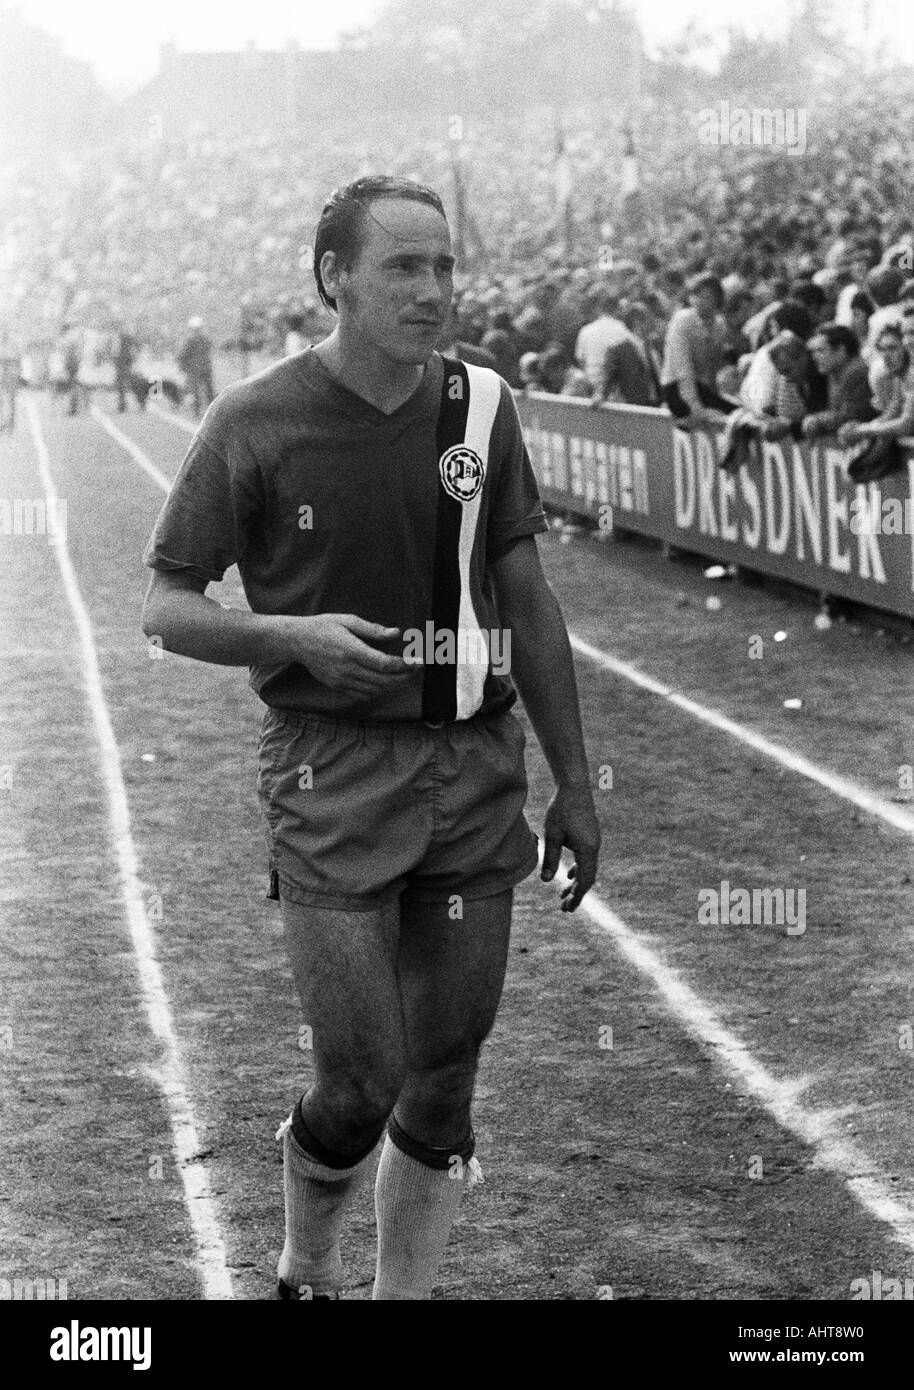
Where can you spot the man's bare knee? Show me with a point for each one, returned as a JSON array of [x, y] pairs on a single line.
[[436, 1100], [346, 1107]]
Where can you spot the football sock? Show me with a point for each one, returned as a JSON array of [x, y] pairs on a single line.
[[316, 1196], [417, 1193]]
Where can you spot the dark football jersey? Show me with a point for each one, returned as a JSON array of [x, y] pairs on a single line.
[[329, 505]]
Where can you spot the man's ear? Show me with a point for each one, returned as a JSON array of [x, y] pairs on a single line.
[[331, 271], [334, 273]]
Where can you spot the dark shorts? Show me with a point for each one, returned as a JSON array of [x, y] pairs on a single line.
[[359, 813]]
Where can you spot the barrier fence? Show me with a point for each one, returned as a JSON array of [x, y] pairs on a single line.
[[796, 514]]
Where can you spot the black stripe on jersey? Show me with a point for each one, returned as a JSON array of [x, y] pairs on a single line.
[[439, 688]]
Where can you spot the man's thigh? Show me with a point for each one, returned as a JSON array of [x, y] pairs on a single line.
[[345, 970], [451, 977]]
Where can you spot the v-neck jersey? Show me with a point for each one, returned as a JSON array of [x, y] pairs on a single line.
[[423, 398]]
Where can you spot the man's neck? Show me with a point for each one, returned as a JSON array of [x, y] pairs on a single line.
[[384, 384]]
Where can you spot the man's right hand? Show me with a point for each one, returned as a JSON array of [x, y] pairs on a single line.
[[335, 648]]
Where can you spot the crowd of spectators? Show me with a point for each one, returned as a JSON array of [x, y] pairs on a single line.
[[738, 282]]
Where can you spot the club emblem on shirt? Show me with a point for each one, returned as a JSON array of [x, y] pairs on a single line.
[[462, 472]]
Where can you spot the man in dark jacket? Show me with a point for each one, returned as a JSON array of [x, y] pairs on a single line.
[[836, 353]]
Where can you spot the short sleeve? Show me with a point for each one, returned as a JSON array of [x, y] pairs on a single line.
[[678, 363], [516, 509], [205, 523]]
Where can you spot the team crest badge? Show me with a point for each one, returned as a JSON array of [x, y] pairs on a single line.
[[462, 472]]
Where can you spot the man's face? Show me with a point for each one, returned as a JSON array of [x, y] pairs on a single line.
[[827, 358], [397, 294]]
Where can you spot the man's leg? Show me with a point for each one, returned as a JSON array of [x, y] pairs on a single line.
[[451, 978], [344, 965]]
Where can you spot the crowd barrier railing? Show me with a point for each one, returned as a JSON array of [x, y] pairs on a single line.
[[796, 514]]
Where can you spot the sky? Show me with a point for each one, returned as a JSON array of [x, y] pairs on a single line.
[[122, 41]]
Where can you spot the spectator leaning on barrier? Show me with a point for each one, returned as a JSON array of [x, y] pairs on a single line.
[[694, 354], [773, 399], [776, 387], [889, 369], [894, 395], [628, 375], [596, 337], [837, 357]]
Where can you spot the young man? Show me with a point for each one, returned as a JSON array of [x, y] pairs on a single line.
[[836, 354], [381, 508], [693, 354]]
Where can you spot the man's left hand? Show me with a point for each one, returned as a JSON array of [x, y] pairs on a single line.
[[572, 821]]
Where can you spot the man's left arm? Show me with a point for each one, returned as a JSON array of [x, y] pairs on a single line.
[[542, 669]]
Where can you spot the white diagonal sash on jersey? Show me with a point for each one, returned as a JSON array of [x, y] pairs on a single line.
[[485, 394]]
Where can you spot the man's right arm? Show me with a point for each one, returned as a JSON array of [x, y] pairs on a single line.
[[333, 646], [179, 614]]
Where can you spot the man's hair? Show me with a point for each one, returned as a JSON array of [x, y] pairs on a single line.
[[808, 293], [838, 336], [795, 316], [343, 218], [707, 281]]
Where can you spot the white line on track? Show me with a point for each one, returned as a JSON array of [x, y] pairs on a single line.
[[135, 452], [817, 1129], [893, 815], [170, 1076]]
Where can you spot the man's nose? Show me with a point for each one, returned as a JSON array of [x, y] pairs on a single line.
[[430, 290]]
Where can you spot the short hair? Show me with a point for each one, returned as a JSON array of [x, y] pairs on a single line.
[[343, 216], [837, 335], [808, 293], [707, 281], [793, 315]]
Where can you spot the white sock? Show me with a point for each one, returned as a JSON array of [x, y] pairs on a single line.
[[415, 1207], [316, 1199]]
